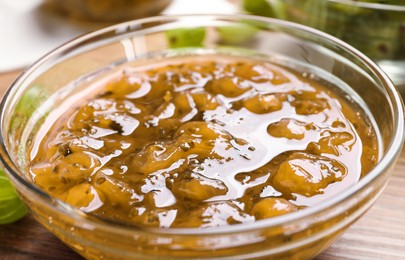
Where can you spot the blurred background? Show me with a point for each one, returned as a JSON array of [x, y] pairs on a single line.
[[32, 28]]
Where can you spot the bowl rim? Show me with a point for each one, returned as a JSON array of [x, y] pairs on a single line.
[[393, 148], [371, 5]]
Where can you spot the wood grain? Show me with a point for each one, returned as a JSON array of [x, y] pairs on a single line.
[[379, 234]]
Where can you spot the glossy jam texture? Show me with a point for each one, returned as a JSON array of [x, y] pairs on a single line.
[[203, 142]]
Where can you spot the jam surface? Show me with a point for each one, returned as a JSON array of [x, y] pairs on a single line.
[[203, 142]]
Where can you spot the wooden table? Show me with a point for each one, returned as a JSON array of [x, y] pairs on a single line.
[[380, 234]]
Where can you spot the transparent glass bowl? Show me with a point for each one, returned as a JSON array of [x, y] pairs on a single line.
[[378, 30], [298, 235]]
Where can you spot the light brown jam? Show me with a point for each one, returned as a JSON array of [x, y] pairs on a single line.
[[204, 141]]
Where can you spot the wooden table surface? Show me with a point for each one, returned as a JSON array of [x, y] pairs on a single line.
[[379, 234]]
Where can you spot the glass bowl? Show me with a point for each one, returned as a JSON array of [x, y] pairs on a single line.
[[377, 28], [301, 235]]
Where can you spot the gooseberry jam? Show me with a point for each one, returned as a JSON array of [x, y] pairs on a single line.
[[203, 141]]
